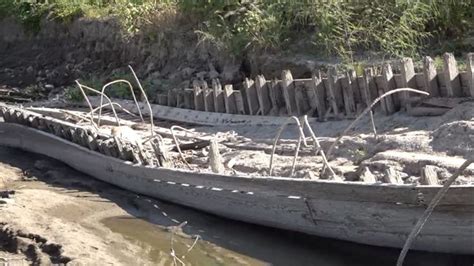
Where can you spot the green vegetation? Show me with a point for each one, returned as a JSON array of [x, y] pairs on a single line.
[[327, 27]]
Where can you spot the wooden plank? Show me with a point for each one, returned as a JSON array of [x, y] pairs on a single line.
[[388, 84], [368, 79], [172, 101], [198, 96], [219, 105], [429, 176], [162, 99], [239, 102], [229, 101], [251, 94], [301, 98], [263, 95], [288, 90], [180, 98], [430, 77], [310, 88], [407, 81], [348, 93], [208, 97], [188, 99], [276, 98], [451, 76], [332, 78], [470, 73]]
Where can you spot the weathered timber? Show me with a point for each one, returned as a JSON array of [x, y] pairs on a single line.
[[301, 98], [367, 177], [188, 98], [219, 104], [172, 98], [229, 99], [198, 96], [348, 93], [470, 73], [392, 176], [407, 80], [288, 90], [263, 95], [331, 90], [239, 102], [215, 159], [320, 92], [429, 176], [208, 97], [427, 111], [276, 98], [451, 76], [251, 94], [430, 77], [388, 84]]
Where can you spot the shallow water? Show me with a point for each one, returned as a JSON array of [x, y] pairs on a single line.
[[226, 242]]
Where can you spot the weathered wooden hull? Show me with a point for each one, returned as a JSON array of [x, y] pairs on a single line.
[[380, 215]]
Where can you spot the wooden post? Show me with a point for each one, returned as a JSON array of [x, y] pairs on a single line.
[[251, 94], [208, 97], [239, 102], [276, 98], [332, 77], [429, 176], [188, 99], [288, 89], [348, 93], [263, 95], [172, 98], [388, 85], [320, 93], [198, 97], [229, 100], [392, 176], [430, 76], [368, 77], [215, 159], [451, 76], [408, 80], [470, 72], [219, 105], [301, 98]]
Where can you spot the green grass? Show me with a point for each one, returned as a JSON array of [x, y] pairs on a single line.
[[330, 27]]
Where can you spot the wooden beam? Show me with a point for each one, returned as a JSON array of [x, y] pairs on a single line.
[[348, 93], [407, 80], [430, 76], [239, 102], [251, 94], [263, 95], [208, 97], [229, 101], [320, 93], [332, 78], [219, 105], [276, 98], [288, 89], [388, 85], [198, 97], [470, 72], [451, 76]]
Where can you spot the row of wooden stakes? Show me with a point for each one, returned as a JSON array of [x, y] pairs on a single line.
[[337, 95]]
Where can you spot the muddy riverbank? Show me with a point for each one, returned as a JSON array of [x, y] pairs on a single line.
[[58, 215]]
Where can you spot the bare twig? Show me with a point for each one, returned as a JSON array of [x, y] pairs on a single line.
[[145, 97], [331, 148], [436, 199], [98, 92], [318, 148], [177, 144], [131, 90], [277, 137]]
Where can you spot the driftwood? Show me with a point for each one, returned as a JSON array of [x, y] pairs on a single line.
[[215, 159], [192, 146]]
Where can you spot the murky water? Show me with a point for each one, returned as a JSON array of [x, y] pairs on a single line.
[[226, 242]]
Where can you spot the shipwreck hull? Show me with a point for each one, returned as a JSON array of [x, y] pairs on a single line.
[[374, 214]]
